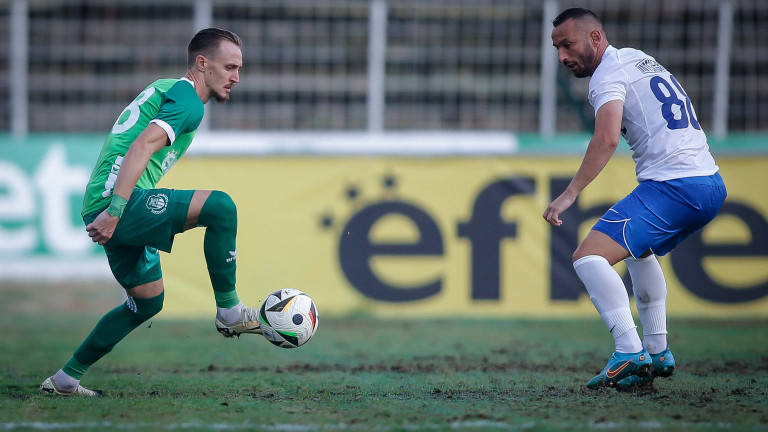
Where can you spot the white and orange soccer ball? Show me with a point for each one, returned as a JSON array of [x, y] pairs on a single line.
[[288, 318]]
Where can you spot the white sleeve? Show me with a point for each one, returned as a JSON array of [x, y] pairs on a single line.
[[608, 87], [167, 128]]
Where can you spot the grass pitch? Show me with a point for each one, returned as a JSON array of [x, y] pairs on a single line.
[[365, 374]]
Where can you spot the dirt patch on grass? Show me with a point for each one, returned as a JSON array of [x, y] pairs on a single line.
[[436, 365]]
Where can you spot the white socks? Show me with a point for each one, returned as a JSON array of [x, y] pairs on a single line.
[[65, 382], [608, 294], [230, 315], [650, 289]]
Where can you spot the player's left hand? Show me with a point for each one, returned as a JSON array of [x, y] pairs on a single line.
[[557, 207], [102, 228]]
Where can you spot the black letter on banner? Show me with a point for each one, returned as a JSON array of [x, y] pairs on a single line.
[[356, 251], [486, 229], [565, 283], [688, 259]]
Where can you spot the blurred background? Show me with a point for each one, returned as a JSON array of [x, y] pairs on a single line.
[[348, 105], [322, 64]]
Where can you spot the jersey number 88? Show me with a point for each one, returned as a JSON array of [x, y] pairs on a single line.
[[670, 98]]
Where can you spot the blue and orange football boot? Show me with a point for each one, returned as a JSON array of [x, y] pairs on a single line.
[[622, 366], [633, 381], [663, 364]]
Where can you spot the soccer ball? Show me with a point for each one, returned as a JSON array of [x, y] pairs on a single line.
[[288, 318]]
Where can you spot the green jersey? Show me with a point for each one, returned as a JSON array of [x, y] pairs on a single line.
[[173, 105]]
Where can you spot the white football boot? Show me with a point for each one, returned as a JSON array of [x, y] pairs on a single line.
[[247, 323], [49, 387]]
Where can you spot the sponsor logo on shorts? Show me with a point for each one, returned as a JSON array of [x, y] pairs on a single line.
[[157, 204]]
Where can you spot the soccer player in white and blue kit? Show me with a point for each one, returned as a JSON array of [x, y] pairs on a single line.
[[679, 191]]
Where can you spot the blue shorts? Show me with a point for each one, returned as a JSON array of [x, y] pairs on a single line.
[[657, 216]]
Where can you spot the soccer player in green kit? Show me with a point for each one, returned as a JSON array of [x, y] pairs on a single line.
[[125, 212]]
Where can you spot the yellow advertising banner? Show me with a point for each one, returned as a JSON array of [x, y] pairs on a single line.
[[451, 236]]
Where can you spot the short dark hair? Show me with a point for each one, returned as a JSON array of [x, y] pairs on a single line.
[[206, 41], [573, 13]]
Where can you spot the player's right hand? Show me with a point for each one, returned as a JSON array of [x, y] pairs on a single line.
[[558, 206], [102, 228]]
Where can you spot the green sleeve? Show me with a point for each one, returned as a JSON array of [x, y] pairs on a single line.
[[182, 108]]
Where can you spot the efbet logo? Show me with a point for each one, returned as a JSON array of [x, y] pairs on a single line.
[[356, 248], [157, 204], [486, 230]]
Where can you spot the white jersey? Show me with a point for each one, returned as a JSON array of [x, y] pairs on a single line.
[[658, 122]]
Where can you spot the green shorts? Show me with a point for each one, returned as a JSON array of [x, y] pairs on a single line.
[[149, 223]]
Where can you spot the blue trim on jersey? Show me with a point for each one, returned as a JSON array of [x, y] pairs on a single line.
[[657, 216]]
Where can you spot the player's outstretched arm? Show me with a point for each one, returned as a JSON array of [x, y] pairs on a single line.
[[601, 147]]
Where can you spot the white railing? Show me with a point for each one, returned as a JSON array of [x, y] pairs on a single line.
[[466, 99]]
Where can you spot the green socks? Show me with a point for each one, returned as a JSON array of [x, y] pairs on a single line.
[[219, 215], [111, 329]]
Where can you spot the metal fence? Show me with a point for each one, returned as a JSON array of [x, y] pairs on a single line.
[[71, 66]]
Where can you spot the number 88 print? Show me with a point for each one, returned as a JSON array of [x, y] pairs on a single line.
[[669, 99]]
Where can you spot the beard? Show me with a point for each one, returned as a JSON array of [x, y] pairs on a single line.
[[587, 60], [220, 98]]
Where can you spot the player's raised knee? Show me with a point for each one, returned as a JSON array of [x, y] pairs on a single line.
[[221, 202], [220, 210]]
